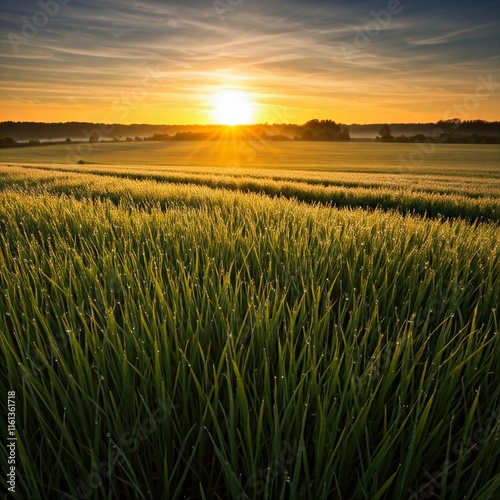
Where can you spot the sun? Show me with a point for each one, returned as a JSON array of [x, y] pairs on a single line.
[[232, 108]]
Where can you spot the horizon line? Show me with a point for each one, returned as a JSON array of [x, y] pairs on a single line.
[[249, 124]]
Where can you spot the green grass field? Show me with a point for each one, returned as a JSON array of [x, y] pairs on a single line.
[[231, 331]]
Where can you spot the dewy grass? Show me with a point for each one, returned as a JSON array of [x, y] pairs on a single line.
[[184, 342], [435, 196]]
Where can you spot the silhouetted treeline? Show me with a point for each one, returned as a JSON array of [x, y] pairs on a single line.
[[324, 130], [314, 130], [437, 135], [7, 142], [321, 130], [450, 139], [10, 142], [82, 131], [452, 126]]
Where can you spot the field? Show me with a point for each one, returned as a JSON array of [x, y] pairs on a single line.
[[281, 321]]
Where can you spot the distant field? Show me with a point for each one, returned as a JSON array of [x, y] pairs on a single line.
[[434, 159], [317, 323]]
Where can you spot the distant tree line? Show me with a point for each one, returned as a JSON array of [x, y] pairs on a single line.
[[10, 142], [453, 125], [324, 130], [442, 135], [7, 142], [313, 130], [85, 131]]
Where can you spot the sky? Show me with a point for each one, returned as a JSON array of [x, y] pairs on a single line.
[[164, 62]]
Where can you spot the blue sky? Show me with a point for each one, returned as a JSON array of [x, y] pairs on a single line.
[[161, 61]]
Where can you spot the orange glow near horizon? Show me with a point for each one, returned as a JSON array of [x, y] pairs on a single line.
[[236, 108]]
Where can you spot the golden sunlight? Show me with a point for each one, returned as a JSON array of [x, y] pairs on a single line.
[[232, 108]]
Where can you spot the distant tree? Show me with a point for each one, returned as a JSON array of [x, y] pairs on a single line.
[[68, 140], [321, 126], [325, 135], [7, 142], [345, 135], [94, 138], [308, 135], [324, 130], [191, 136], [385, 133], [138, 139], [419, 138], [160, 137], [451, 121]]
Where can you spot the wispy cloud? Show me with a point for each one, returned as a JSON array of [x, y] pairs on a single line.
[[457, 35]]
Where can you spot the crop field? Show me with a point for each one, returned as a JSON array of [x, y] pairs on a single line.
[[365, 157], [305, 330]]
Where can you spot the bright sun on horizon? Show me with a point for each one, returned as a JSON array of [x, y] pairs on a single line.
[[233, 108]]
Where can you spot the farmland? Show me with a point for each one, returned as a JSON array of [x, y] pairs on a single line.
[[212, 321]]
